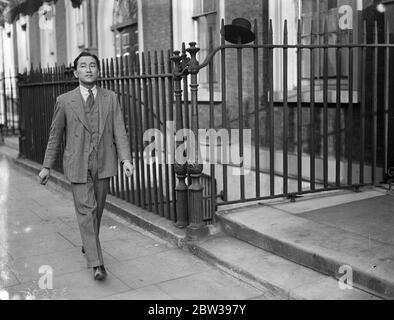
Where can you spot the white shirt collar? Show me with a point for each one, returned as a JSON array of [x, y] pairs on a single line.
[[85, 92]]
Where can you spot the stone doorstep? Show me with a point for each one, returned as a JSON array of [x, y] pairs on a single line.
[[325, 261], [165, 229], [281, 278]]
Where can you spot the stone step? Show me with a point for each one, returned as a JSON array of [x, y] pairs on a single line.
[[317, 246], [278, 278]]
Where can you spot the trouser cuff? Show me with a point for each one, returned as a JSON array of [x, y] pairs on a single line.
[[95, 263]]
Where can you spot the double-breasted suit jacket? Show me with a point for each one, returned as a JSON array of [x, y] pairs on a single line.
[[69, 118]]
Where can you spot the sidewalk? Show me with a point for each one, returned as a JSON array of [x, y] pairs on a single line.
[[38, 228]]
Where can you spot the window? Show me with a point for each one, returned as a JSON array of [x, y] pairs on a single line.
[[92, 12], [125, 27], [204, 6], [118, 46], [86, 26], [316, 13], [126, 43], [47, 16], [205, 12], [125, 10], [80, 28]]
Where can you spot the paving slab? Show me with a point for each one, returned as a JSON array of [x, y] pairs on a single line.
[[25, 230], [16, 218], [54, 212], [26, 247], [146, 293], [153, 269], [27, 269], [212, 284], [108, 232], [72, 286], [124, 250]]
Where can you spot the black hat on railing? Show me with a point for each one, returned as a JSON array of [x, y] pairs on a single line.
[[239, 31]]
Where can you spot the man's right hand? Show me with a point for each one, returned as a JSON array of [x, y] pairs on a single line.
[[44, 176]]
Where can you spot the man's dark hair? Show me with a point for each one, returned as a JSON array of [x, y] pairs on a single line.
[[86, 54]]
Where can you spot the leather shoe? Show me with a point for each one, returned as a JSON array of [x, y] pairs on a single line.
[[99, 273], [83, 250], [103, 270]]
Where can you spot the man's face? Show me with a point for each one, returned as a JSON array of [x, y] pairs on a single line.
[[87, 70]]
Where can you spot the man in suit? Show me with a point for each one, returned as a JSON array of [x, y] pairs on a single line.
[[92, 120]]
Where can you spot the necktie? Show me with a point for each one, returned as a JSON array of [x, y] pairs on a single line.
[[90, 100]]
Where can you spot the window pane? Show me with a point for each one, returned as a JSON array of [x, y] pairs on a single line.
[[205, 24], [323, 7], [118, 45], [197, 6], [321, 11], [209, 5], [314, 6], [126, 39], [332, 4], [204, 6], [80, 35], [203, 43], [306, 6]]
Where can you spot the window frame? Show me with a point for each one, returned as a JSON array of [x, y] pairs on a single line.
[[117, 28], [205, 48]]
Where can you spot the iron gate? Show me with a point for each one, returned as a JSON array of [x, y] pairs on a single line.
[[308, 133]]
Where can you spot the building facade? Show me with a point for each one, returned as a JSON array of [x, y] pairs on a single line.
[[59, 30]]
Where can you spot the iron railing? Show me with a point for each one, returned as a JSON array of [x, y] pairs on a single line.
[[309, 133], [144, 86], [9, 107]]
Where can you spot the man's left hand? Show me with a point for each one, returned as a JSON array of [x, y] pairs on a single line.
[[128, 168]]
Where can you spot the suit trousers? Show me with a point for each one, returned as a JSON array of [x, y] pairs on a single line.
[[89, 202]]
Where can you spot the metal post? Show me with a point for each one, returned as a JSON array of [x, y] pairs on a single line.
[[5, 104], [180, 169], [197, 227], [21, 117], [1, 113], [12, 109]]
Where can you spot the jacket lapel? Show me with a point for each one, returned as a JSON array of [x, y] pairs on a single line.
[[103, 104], [76, 104]]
